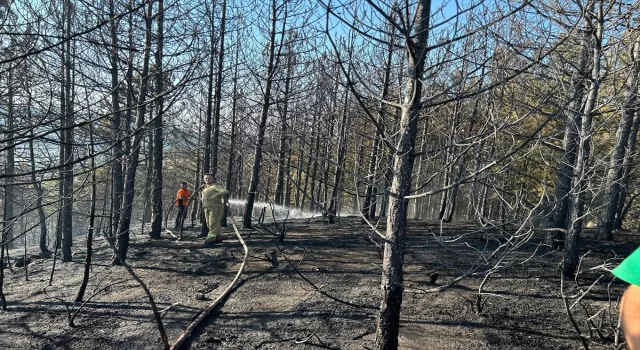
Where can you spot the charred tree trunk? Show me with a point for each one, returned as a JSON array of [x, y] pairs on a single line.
[[342, 150], [206, 162], [129, 192], [313, 158], [117, 181], [158, 138], [282, 143], [626, 169], [419, 202], [234, 113], [196, 177], [375, 148], [148, 162], [67, 180], [36, 184], [218, 93], [9, 168], [92, 216], [39, 192], [560, 212], [266, 103], [3, 241], [208, 145], [581, 172], [604, 230], [310, 172]]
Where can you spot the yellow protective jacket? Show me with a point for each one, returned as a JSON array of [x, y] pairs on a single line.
[[209, 191]]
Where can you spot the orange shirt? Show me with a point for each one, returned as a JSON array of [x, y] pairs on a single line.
[[185, 194]]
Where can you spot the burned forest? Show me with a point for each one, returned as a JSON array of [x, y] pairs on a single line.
[[331, 174]]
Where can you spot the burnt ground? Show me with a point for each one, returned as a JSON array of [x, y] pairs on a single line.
[[272, 307]]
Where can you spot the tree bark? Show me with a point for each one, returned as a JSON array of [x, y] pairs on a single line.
[[580, 175], [388, 323]]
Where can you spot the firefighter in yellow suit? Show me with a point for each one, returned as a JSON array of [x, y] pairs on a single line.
[[213, 206]]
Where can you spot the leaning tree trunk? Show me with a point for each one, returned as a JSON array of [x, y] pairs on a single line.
[[388, 323], [266, 103], [581, 173]]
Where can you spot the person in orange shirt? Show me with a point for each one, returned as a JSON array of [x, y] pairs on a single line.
[[181, 202]]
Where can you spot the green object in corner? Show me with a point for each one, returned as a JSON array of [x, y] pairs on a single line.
[[629, 269]]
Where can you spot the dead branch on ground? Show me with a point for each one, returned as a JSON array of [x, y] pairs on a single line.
[[305, 340], [187, 333], [316, 288], [570, 314], [156, 315]]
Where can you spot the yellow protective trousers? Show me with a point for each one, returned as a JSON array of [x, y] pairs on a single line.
[[213, 216]]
